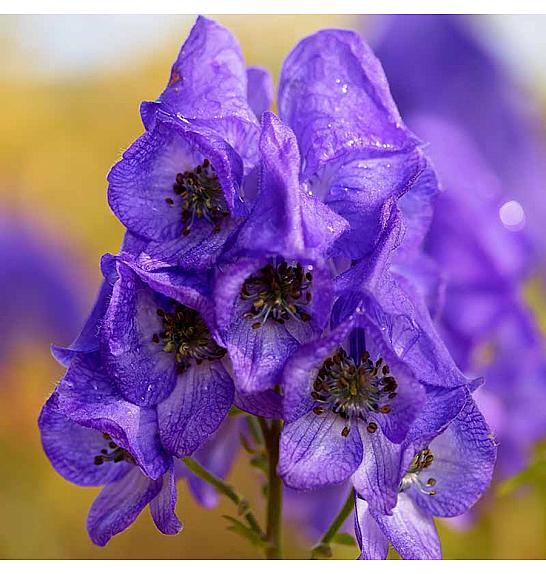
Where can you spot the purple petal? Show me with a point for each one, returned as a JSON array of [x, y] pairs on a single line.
[[371, 540], [410, 531], [266, 404], [464, 458], [313, 452], [364, 191], [377, 479], [334, 95], [208, 83], [119, 504], [144, 178], [88, 396], [258, 355], [259, 90], [190, 289], [87, 341], [72, 448], [198, 404], [440, 408], [163, 506], [282, 221], [143, 372]]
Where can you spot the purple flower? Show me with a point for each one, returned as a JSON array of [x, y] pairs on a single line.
[[273, 291], [484, 319], [180, 185], [94, 437], [447, 72], [29, 259], [440, 475], [356, 153]]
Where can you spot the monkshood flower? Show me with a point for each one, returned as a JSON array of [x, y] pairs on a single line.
[[180, 185], [357, 156], [484, 319], [364, 377], [439, 474], [94, 437], [273, 290], [456, 70]]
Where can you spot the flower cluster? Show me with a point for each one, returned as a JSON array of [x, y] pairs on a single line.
[[270, 267], [491, 164]]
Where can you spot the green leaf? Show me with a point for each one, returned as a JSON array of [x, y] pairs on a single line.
[[246, 532], [235, 412], [344, 539]]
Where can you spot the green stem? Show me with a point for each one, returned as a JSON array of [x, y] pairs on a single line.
[[272, 436], [322, 549], [227, 490]]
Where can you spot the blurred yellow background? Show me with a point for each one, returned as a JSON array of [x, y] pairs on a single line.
[[67, 112]]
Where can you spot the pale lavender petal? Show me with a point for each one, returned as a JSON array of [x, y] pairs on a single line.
[[371, 540], [411, 531], [313, 452]]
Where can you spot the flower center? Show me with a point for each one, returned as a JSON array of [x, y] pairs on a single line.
[[354, 391], [423, 459], [186, 335], [201, 197], [277, 292], [113, 453]]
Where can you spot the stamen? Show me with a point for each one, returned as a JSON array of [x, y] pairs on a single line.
[[201, 197], [115, 454], [353, 390], [422, 460], [277, 292], [186, 335]]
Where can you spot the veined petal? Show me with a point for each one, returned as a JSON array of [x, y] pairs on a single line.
[[364, 191], [377, 479], [260, 90], [334, 95], [198, 404], [142, 181], [266, 404], [371, 540], [72, 448], [119, 504], [208, 84], [464, 459], [285, 220], [314, 453], [142, 371], [163, 506], [411, 531], [89, 397]]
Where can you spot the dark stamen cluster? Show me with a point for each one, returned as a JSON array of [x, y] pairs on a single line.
[[423, 459], [354, 391], [202, 197], [186, 335], [277, 292], [113, 453]]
